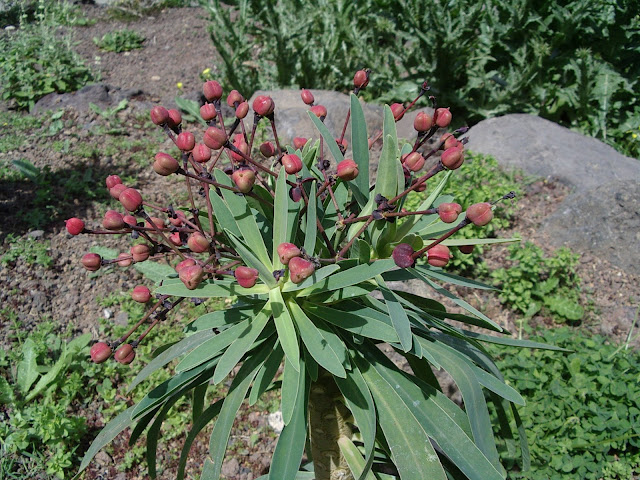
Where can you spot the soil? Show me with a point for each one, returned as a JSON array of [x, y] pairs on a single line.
[[177, 49]]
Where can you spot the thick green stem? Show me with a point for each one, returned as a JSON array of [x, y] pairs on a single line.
[[328, 421]]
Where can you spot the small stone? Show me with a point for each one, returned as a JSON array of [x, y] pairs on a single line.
[[122, 319], [230, 468], [275, 421], [35, 234]]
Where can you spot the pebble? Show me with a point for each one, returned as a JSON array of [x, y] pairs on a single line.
[[230, 468], [36, 234]]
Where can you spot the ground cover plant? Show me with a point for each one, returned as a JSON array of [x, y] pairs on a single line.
[[301, 238], [120, 41], [572, 63], [589, 402]]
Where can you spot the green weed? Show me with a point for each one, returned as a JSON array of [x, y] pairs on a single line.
[[120, 41], [27, 249]]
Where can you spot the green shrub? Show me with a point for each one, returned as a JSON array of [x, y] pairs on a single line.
[[536, 281], [582, 409], [119, 41]]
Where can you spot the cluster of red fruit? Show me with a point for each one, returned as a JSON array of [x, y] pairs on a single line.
[[182, 236]]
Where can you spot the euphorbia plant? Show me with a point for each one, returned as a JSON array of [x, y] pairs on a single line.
[[315, 255]]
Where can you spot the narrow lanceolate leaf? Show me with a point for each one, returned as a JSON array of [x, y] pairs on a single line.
[[266, 373], [211, 289], [457, 300], [387, 179], [154, 433], [354, 459], [223, 214], [232, 402], [27, 367], [280, 217], [245, 219], [312, 229], [360, 148], [329, 141], [289, 391], [290, 447], [264, 269], [175, 351], [106, 436], [497, 386], [352, 276], [513, 342], [223, 318], [398, 316], [410, 447], [318, 346], [241, 344], [366, 326], [213, 346], [453, 279], [359, 400], [415, 223], [284, 325], [317, 276]]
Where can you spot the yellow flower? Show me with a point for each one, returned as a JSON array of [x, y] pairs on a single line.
[[206, 71], [635, 135], [179, 85]]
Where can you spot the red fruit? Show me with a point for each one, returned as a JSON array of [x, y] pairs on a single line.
[[214, 138], [130, 220], [244, 179], [201, 153], [480, 214], [198, 243], [466, 249], [164, 164], [452, 157], [268, 149], [423, 122], [438, 256], [212, 90], [186, 141], [287, 251], [295, 194], [175, 239], [141, 294], [130, 199], [342, 144], [263, 105], [307, 96], [246, 276], [449, 212], [299, 142], [241, 145], [116, 190], [402, 255], [112, 181], [300, 269], [442, 117], [140, 252], [448, 141], [179, 220], [156, 223], [100, 352], [208, 112], [398, 111], [124, 260], [233, 98], [191, 276], [159, 115], [347, 169], [292, 163], [319, 111], [414, 161], [92, 261], [242, 110], [360, 79], [189, 262], [175, 118], [125, 354], [113, 220], [74, 225]]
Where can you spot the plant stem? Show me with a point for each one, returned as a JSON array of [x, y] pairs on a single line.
[[328, 418]]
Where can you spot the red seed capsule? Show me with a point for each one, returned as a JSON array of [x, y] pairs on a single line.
[[191, 276], [74, 226], [452, 158], [100, 352], [189, 262], [319, 111], [423, 122], [242, 110], [244, 179], [360, 79], [480, 214], [92, 261], [291, 163], [233, 98], [130, 199], [449, 212], [286, 251], [212, 90], [198, 243], [299, 142], [268, 149], [307, 96], [164, 164], [175, 118], [116, 190], [214, 138], [442, 117], [112, 181], [347, 169], [300, 269], [186, 141], [124, 260], [141, 294], [208, 112], [113, 220], [201, 153], [246, 276], [159, 115], [125, 354], [402, 255], [414, 161], [140, 252], [438, 256], [263, 105], [398, 111]]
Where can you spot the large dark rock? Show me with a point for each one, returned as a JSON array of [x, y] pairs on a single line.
[[99, 94]]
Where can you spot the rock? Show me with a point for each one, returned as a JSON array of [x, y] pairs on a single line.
[[275, 421], [99, 94], [122, 319], [36, 234], [230, 468], [604, 220], [545, 149], [292, 119]]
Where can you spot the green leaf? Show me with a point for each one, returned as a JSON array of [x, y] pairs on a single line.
[[223, 318], [398, 316], [154, 432], [264, 270], [497, 386], [317, 276], [351, 276], [312, 228], [564, 307], [27, 367], [318, 346], [358, 323], [210, 289], [154, 271], [213, 346], [280, 217], [354, 459], [329, 140], [289, 392], [387, 177], [360, 149], [290, 447], [415, 223], [106, 436], [197, 400], [454, 279], [266, 373], [245, 219], [235, 396], [513, 342], [223, 214], [284, 325], [242, 344]]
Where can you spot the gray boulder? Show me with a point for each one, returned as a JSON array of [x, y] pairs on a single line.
[[100, 94]]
